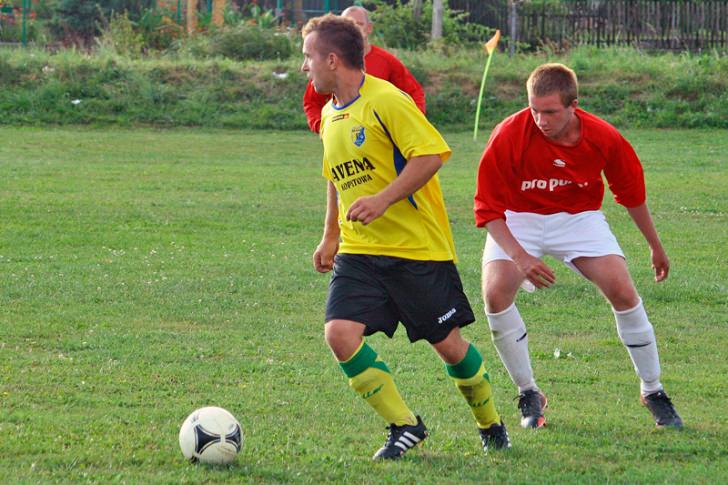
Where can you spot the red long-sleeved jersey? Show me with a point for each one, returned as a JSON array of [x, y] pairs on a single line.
[[523, 171], [378, 63]]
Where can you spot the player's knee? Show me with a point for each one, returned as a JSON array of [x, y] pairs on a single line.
[[623, 297], [496, 300], [342, 338], [334, 332]]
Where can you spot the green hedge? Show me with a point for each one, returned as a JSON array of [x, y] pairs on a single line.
[[627, 87]]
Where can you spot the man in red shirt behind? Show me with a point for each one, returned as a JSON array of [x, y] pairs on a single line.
[[377, 62], [539, 192]]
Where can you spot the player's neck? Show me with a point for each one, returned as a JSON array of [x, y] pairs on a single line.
[[571, 135], [347, 89], [367, 47]]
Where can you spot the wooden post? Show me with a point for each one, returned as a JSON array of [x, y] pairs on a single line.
[[437, 11], [191, 16], [298, 12], [218, 12], [416, 9], [512, 14], [24, 31]]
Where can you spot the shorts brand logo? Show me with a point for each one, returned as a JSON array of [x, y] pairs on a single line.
[[446, 316]]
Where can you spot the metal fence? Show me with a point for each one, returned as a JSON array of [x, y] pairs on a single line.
[[656, 24]]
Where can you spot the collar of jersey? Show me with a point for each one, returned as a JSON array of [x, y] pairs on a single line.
[[363, 78]]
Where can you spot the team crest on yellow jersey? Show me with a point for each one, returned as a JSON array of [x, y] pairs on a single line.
[[357, 135]]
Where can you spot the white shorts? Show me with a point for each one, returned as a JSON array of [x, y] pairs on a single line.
[[562, 235]]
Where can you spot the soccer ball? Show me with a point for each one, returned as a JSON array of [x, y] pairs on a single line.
[[210, 435]]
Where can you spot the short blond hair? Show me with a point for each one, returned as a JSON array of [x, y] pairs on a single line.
[[553, 78], [339, 35]]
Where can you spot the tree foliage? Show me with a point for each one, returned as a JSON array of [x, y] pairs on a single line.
[[79, 21]]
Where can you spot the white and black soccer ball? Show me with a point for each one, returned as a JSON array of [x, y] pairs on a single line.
[[211, 435]]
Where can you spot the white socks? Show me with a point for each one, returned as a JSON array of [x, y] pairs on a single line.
[[633, 327], [637, 334], [511, 341]]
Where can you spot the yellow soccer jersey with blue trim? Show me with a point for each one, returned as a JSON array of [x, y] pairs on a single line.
[[366, 145]]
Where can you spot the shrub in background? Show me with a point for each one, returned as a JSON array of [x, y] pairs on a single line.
[[158, 28], [78, 22], [250, 42], [396, 26], [121, 38], [11, 27], [75, 21]]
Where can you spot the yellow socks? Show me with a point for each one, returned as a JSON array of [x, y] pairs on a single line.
[[370, 377], [473, 383]]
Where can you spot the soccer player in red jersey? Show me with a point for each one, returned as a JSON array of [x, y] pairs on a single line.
[[377, 62], [539, 191]]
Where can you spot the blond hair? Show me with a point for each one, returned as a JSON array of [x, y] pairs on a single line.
[[339, 35]]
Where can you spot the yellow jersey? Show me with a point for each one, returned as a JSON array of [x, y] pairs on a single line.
[[367, 143]]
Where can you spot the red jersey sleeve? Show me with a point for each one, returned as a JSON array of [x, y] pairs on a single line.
[[622, 168], [313, 103], [385, 65], [492, 184], [625, 176]]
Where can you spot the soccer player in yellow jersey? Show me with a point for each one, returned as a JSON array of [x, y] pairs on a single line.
[[387, 237]]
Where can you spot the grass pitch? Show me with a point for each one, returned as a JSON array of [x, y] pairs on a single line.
[[146, 273]]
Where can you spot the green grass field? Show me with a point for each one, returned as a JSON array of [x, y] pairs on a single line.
[[146, 273]]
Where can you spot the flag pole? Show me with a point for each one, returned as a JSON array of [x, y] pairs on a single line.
[[490, 48]]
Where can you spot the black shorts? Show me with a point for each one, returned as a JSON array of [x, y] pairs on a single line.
[[381, 291]]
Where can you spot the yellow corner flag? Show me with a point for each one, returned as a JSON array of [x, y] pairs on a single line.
[[490, 48], [492, 43]]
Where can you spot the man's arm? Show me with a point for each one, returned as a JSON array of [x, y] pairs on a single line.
[[417, 172], [323, 256], [401, 77], [643, 220], [313, 103], [532, 267], [385, 65]]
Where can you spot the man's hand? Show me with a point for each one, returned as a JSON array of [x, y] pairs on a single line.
[[535, 270], [366, 209], [643, 220], [416, 173], [660, 263], [323, 256]]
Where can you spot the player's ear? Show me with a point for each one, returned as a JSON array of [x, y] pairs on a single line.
[[574, 103], [332, 60]]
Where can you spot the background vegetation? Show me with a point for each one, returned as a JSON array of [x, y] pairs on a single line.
[[626, 86], [130, 63], [146, 273]]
